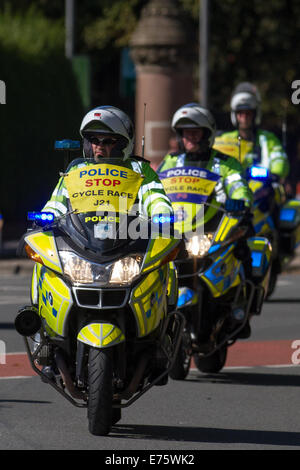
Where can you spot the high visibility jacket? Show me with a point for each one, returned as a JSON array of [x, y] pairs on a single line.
[[151, 197], [267, 151], [231, 184]]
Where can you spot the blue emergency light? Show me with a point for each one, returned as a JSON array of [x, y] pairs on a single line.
[[41, 218], [259, 172], [67, 144], [163, 219]]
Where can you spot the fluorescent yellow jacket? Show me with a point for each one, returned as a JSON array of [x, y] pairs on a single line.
[[267, 151], [231, 185]]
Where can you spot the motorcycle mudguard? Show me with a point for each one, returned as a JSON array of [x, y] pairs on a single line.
[[261, 252], [101, 335]]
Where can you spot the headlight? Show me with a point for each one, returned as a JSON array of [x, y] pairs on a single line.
[[125, 270], [82, 271], [198, 245]]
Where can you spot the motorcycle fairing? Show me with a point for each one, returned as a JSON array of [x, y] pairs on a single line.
[[54, 299], [225, 227], [34, 285], [43, 243], [158, 248], [101, 335], [148, 300], [223, 274]]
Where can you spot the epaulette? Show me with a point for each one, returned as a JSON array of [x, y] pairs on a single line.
[[75, 162], [221, 156], [140, 159]]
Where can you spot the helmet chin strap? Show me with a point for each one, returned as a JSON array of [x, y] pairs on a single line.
[[87, 149]]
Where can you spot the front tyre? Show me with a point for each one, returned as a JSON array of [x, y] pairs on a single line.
[[100, 391], [182, 360], [272, 284], [213, 363]]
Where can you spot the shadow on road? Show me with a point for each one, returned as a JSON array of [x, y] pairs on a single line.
[[33, 402], [7, 326], [211, 435], [282, 301], [247, 378]]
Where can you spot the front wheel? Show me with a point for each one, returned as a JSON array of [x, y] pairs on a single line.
[[182, 361], [272, 284], [100, 393], [213, 363]]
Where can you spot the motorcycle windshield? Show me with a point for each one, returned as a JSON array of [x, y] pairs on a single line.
[[102, 200], [189, 188]]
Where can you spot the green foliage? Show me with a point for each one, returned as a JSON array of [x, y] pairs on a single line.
[[30, 34], [255, 41], [115, 26], [42, 105]]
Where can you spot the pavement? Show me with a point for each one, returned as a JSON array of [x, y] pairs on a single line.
[[11, 264]]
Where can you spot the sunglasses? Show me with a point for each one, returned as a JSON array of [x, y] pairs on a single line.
[[102, 141]]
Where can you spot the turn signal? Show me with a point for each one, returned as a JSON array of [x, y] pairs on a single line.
[[171, 256], [33, 255]]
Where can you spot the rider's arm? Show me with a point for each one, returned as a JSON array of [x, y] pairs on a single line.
[[235, 186], [278, 160], [58, 201], [152, 196]]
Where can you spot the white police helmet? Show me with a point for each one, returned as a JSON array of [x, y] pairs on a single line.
[[193, 115], [110, 120], [245, 96]]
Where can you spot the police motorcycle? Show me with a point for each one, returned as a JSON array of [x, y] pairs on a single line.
[[101, 328], [215, 296], [275, 217]]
